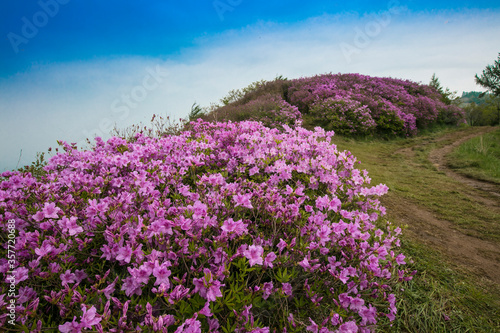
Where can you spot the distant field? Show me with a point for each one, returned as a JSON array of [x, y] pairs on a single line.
[[479, 158]]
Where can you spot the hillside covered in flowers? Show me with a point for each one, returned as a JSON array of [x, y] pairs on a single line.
[[349, 104]]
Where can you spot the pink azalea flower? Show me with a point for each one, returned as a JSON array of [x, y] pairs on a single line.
[[382, 251], [322, 202], [89, 317], [400, 259], [253, 171], [21, 274], [349, 327], [207, 287], [45, 249], [254, 254], [220, 256], [268, 262], [179, 292], [25, 294], [281, 245], [50, 210], [357, 303], [131, 286], [344, 275], [190, 326], [305, 264], [110, 289], [124, 254], [335, 320], [267, 288], [80, 275], [243, 200], [323, 234], [313, 327], [70, 226], [246, 313], [334, 205], [287, 288], [291, 320], [161, 273], [54, 267], [39, 216], [238, 227], [368, 315], [206, 310], [67, 277], [199, 209], [108, 252], [345, 300], [213, 324], [70, 327], [141, 275]]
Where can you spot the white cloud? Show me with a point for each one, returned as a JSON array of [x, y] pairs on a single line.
[[72, 101]]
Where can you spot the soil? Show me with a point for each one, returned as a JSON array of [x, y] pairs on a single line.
[[479, 256], [438, 158]]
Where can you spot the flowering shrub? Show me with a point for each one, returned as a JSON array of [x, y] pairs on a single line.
[[268, 108], [343, 116], [228, 227], [273, 111], [398, 107], [395, 107]]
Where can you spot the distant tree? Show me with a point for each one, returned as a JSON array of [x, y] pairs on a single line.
[[435, 82], [235, 95], [476, 97], [472, 114], [490, 79], [447, 96], [196, 112], [238, 94], [492, 104], [484, 114]]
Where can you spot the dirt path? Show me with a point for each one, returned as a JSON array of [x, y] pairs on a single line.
[[480, 256], [438, 158]]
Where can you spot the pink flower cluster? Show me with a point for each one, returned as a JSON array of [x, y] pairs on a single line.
[[396, 106], [161, 234], [343, 116], [272, 111]]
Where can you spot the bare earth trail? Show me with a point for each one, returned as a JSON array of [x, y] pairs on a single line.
[[477, 255]]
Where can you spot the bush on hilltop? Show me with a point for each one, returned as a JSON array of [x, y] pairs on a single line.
[[348, 104]]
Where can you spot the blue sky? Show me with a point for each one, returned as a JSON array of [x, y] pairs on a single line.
[[69, 69]]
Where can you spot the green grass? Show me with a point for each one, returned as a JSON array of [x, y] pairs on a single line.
[[442, 298], [442, 288], [479, 158], [412, 177]]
